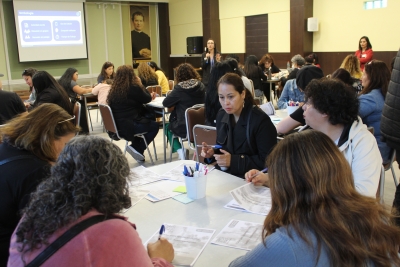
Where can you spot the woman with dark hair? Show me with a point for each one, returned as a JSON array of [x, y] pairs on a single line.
[[267, 63], [332, 108], [375, 80], [188, 91], [345, 77], [364, 52], [68, 82], [29, 144], [89, 179], [208, 59], [253, 72], [126, 99], [107, 72], [27, 75], [147, 75], [49, 91], [162, 79], [313, 60], [317, 217], [244, 131], [212, 104], [235, 68]]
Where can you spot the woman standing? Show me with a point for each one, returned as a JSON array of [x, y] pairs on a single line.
[[208, 59], [30, 144], [245, 132], [89, 179], [375, 80], [126, 99], [162, 80], [187, 92], [49, 91], [147, 75], [107, 72], [364, 52], [317, 217]]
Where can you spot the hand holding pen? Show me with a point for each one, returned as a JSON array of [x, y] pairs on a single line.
[[257, 177], [207, 151], [162, 248]]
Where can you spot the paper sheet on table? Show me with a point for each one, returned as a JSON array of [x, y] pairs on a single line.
[[176, 174], [233, 205], [162, 190], [239, 234], [275, 119], [136, 195], [141, 175], [255, 199], [188, 242]]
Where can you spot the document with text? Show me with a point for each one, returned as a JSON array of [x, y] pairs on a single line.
[[141, 175], [255, 199], [188, 242], [239, 234]]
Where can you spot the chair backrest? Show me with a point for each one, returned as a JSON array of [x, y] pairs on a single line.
[[203, 133], [193, 115], [171, 84], [154, 89], [252, 87], [108, 119], [77, 113]]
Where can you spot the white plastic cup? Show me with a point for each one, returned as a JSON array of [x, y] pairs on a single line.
[[291, 109], [196, 186]]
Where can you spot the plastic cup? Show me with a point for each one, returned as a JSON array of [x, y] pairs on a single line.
[[291, 109], [196, 186]]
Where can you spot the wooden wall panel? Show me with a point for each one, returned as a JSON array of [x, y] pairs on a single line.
[[164, 37], [211, 24], [256, 35]]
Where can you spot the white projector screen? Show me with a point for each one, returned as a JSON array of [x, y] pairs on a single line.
[[50, 30]]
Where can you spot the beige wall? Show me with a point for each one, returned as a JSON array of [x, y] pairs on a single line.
[[232, 17], [185, 19], [343, 22]]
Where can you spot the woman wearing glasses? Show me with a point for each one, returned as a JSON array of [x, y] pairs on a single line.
[[30, 145]]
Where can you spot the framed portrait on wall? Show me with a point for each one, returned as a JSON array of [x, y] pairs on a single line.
[[140, 32]]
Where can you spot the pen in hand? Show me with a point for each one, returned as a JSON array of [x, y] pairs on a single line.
[[162, 230], [262, 171], [213, 146]]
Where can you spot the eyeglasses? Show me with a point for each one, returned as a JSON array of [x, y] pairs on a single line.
[[70, 119]]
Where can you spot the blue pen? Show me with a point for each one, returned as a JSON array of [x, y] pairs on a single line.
[[213, 146], [197, 166], [185, 170], [162, 230]]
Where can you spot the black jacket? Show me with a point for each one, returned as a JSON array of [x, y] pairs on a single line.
[[51, 95], [246, 153], [206, 67], [183, 96]]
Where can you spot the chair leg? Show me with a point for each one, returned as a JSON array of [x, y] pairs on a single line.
[[154, 148], [147, 147], [90, 118], [171, 147], [126, 144], [382, 186], [394, 175]]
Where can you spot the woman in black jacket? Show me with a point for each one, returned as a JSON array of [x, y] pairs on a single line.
[[187, 92], [126, 99], [208, 59], [244, 131]]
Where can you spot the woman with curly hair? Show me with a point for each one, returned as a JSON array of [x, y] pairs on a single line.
[[352, 65], [147, 75], [126, 99], [375, 80], [317, 217], [332, 108], [90, 178], [29, 144], [188, 91], [107, 72]]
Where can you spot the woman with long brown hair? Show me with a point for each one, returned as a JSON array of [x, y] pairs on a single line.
[[126, 99], [147, 75], [317, 217]]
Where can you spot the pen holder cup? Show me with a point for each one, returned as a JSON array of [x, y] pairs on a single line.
[[196, 186], [291, 109]]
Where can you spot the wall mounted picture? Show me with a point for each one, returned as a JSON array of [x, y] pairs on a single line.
[[140, 32]]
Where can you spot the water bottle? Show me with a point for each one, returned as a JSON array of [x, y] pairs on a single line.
[[288, 65], [269, 74]]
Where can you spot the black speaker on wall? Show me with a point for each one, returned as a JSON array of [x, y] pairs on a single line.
[[194, 45]]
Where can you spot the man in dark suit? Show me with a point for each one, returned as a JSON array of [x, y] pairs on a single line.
[[140, 40]]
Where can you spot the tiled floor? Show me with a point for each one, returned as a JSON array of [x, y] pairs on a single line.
[[98, 130]]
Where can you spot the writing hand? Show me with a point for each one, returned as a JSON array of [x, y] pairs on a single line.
[[260, 179], [224, 159], [153, 95], [161, 249], [206, 151]]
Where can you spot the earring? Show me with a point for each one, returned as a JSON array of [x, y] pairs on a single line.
[[243, 103]]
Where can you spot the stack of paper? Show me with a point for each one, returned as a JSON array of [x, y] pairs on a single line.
[[141, 175], [255, 199]]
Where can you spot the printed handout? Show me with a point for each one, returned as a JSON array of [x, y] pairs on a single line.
[[188, 242], [239, 234], [162, 190], [255, 199], [176, 173], [141, 175], [136, 195]]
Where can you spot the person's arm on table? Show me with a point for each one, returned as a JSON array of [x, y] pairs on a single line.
[[290, 122], [172, 99], [282, 102]]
